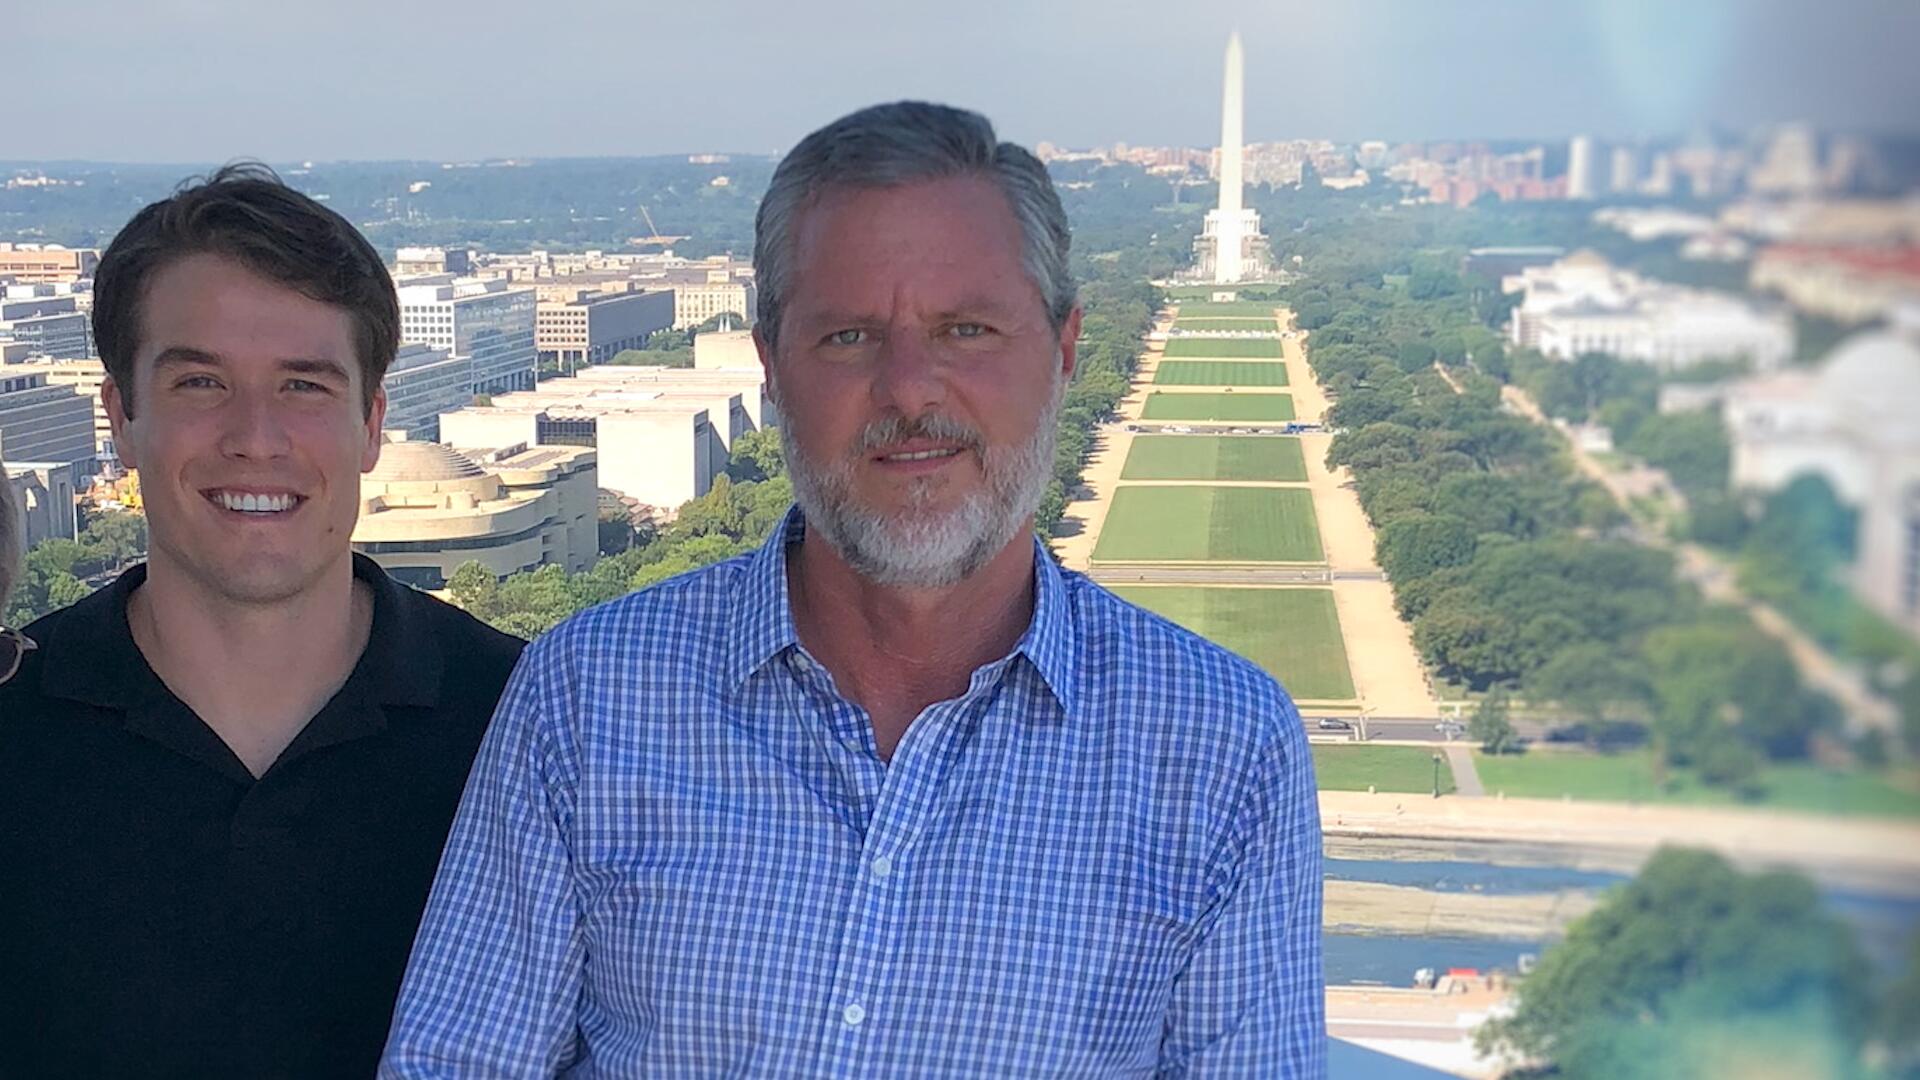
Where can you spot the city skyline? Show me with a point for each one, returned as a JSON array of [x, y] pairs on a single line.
[[443, 81]]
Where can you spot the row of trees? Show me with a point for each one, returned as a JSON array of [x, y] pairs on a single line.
[[730, 519], [1791, 546], [59, 572], [1514, 572]]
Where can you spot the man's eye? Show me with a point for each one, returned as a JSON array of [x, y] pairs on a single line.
[[969, 330], [305, 386], [198, 382], [847, 337]]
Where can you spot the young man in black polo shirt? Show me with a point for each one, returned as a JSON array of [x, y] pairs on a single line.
[[225, 779]]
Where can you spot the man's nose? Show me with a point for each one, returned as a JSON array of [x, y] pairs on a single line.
[[909, 378], [254, 427]]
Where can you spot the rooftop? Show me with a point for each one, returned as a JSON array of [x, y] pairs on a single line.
[[411, 462]]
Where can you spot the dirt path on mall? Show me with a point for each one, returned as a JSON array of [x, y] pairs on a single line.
[[1387, 673], [1087, 510]]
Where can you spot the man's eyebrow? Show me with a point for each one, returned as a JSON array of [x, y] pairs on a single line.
[[303, 365], [185, 355], [978, 305], [182, 354], [841, 317]]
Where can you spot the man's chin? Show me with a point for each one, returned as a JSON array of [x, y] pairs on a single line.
[[257, 581]]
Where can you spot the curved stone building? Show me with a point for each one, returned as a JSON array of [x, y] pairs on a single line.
[[428, 508]]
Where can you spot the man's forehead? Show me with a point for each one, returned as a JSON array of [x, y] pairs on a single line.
[[947, 244], [213, 305]]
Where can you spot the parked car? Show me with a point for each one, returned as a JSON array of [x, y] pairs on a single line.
[[1331, 724]]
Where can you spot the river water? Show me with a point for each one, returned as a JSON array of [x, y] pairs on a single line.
[[1885, 924]]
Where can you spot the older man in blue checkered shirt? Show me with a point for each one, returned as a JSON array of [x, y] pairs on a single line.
[[895, 796]]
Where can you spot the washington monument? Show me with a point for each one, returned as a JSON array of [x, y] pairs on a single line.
[[1231, 247]]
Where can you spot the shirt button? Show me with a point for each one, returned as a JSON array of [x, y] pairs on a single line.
[[800, 664], [881, 867], [853, 1015]]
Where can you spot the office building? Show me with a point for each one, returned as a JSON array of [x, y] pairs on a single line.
[[430, 261], [32, 263], [85, 377], [42, 422], [723, 350], [1623, 175], [1580, 168], [1791, 165], [50, 322], [663, 433], [698, 301], [486, 321], [426, 509], [422, 383], [1846, 284], [593, 327]]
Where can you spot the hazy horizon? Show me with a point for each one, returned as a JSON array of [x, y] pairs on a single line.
[[201, 81]]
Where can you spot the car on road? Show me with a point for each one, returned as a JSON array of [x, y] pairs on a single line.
[[1329, 723]]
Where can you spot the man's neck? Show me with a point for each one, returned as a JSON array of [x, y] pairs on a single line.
[[254, 673], [895, 651]]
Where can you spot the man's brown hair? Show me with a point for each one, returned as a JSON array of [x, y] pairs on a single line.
[[246, 213]]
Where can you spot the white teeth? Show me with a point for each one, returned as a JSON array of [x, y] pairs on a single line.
[[921, 455], [249, 503]]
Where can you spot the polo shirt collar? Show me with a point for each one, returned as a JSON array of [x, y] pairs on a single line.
[[763, 626], [93, 658]]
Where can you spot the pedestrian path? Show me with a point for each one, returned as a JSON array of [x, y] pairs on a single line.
[[1466, 778]]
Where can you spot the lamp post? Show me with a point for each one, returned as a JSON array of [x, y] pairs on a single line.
[[1436, 776]]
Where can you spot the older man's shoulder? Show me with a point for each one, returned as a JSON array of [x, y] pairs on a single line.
[[690, 609], [1128, 651]]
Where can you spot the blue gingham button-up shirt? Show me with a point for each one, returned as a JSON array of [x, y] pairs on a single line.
[[680, 854]]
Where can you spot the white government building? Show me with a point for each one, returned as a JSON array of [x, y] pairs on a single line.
[[1854, 421], [662, 434], [1583, 304]]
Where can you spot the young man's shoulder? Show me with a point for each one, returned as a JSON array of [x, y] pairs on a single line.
[[462, 637]]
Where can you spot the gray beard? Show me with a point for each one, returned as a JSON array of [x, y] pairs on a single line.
[[919, 546]]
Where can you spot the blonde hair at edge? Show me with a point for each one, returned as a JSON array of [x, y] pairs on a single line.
[[9, 538]]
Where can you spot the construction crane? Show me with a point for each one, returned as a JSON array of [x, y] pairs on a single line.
[[653, 232]]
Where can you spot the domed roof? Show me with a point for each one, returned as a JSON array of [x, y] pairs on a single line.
[[414, 462], [1872, 371]]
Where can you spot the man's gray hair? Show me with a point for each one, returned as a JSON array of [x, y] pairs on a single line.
[[9, 538], [903, 143]]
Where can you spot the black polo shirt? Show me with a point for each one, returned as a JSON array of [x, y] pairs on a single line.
[[163, 913]]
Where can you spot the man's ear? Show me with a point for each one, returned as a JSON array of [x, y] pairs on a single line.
[[765, 352], [120, 418], [376, 420], [1069, 342]]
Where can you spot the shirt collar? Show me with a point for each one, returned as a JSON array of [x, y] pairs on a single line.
[[92, 657], [764, 628]]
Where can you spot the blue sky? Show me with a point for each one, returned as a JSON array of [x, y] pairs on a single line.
[[201, 80]]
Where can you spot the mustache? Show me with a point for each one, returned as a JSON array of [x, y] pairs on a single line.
[[935, 426]]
